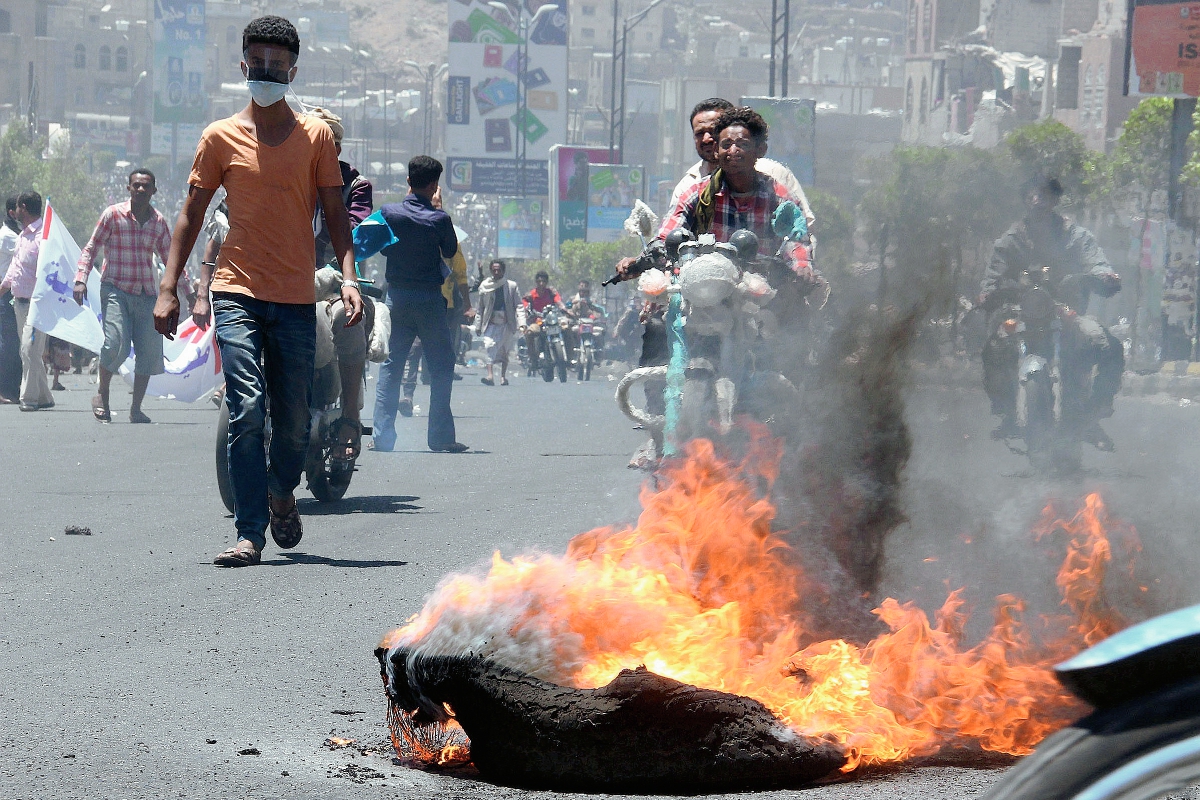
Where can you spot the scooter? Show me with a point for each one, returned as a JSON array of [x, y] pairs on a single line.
[[1143, 739]]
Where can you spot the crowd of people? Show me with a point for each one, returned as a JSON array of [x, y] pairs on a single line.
[[284, 304]]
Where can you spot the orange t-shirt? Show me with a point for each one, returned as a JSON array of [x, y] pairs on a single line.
[[272, 196]]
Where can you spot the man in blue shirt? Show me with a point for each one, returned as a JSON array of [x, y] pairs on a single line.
[[415, 273]]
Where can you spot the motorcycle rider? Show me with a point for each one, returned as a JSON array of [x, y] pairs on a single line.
[[539, 297], [350, 344], [704, 135], [580, 307], [1045, 238]]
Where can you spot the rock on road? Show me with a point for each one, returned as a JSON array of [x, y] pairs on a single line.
[[130, 667]]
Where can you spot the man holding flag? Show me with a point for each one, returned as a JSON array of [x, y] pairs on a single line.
[[131, 233], [21, 280]]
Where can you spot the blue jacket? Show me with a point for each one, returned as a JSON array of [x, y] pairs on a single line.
[[426, 236]]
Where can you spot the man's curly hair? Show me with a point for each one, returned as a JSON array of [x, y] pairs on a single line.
[[748, 118], [271, 30]]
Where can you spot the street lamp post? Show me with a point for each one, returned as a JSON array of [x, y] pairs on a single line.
[[430, 75], [616, 124], [525, 22]]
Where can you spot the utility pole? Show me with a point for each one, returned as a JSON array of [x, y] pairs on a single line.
[[612, 92], [616, 127], [780, 27]]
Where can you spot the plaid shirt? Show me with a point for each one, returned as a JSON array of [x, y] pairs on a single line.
[[752, 211], [21, 277], [129, 249]]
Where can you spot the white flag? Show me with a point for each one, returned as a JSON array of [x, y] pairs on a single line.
[[53, 309], [192, 362]]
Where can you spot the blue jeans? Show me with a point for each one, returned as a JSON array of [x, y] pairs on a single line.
[[416, 313], [267, 353]]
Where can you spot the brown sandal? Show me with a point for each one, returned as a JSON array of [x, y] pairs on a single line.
[[349, 443], [286, 529], [242, 554]]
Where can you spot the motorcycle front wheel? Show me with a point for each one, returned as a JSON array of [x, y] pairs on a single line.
[[1146, 749], [547, 364], [1039, 421], [224, 485], [560, 356]]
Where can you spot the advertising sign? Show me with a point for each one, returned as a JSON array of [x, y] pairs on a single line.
[[519, 234], [1162, 49], [496, 175], [569, 190], [484, 118], [179, 62], [612, 190], [792, 122]]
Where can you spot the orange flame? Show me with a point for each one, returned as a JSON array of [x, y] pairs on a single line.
[[701, 590]]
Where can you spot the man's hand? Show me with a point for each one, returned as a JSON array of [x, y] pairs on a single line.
[[353, 302], [201, 311], [469, 313], [80, 292], [166, 314], [623, 266]]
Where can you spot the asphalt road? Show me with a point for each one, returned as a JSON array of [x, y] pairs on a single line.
[[130, 667]]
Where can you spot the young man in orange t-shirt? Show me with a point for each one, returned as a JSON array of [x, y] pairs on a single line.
[[273, 165]]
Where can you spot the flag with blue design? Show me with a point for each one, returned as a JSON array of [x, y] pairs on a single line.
[[191, 365], [52, 307]]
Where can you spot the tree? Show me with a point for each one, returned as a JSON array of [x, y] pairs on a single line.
[[834, 230], [1141, 163], [1049, 149], [595, 261], [62, 177]]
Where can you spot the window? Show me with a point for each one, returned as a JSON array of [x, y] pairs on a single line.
[[122, 59], [924, 107], [41, 20], [80, 57], [231, 36], [587, 33], [589, 11], [1068, 77], [908, 101], [743, 52], [104, 59], [5, 21], [1099, 96]]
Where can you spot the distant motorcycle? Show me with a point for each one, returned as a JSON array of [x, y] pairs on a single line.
[[1143, 739], [590, 335], [1054, 380], [550, 357]]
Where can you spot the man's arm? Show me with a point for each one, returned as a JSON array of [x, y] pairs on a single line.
[[187, 228], [338, 222], [449, 243], [1003, 263], [1093, 262], [202, 307], [88, 255]]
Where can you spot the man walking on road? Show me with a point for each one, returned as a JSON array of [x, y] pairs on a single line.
[[10, 334], [274, 165], [20, 280], [415, 273], [131, 233]]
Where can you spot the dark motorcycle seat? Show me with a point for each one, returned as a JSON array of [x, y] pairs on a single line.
[[1144, 658]]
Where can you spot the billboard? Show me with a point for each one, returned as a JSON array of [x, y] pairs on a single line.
[[612, 190], [179, 62], [569, 190], [792, 122], [1162, 49], [484, 118], [519, 234]]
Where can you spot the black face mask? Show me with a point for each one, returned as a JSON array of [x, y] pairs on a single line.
[[266, 74]]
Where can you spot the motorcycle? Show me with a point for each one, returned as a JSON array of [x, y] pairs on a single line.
[[589, 333], [553, 357], [1142, 741], [1054, 381]]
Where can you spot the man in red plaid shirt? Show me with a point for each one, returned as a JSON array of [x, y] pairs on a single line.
[[736, 195], [131, 234]]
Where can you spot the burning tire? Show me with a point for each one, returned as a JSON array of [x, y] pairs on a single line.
[[640, 733], [1143, 750]]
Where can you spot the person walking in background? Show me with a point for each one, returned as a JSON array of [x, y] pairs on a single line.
[[274, 166], [20, 280], [10, 334], [131, 233], [415, 274], [500, 315]]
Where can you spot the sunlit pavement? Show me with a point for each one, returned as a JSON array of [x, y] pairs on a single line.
[[130, 667]]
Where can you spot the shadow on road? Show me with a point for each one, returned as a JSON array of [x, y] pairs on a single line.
[[290, 559], [370, 504]]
